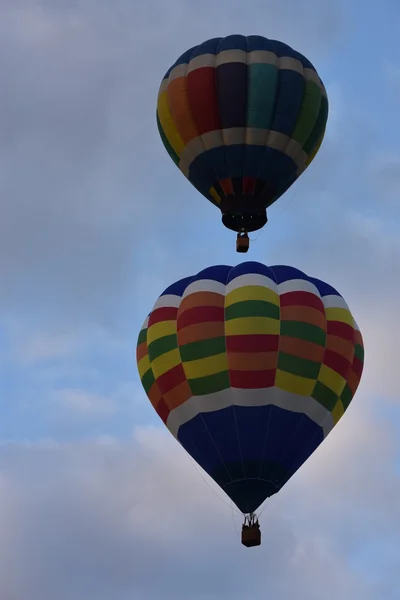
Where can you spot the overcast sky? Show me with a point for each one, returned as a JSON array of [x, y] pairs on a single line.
[[96, 499]]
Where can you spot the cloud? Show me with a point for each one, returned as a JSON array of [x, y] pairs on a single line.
[[104, 519], [83, 403]]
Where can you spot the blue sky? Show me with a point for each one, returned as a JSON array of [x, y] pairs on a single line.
[[96, 500]]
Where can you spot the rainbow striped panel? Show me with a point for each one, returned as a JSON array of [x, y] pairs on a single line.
[[250, 368], [242, 117]]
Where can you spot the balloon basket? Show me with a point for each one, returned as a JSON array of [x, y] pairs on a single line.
[[242, 242], [251, 533]]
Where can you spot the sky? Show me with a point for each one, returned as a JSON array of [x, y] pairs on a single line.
[[97, 499]]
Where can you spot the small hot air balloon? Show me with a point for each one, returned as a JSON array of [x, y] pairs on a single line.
[[242, 117], [250, 368]]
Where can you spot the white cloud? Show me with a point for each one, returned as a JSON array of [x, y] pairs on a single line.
[[84, 403], [106, 520]]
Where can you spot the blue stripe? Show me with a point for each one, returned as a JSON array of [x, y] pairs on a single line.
[[324, 288], [258, 42], [237, 444], [177, 288], [275, 168], [233, 42], [208, 47], [218, 273], [248, 267]]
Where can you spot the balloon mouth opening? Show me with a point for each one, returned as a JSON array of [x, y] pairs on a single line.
[[244, 222]]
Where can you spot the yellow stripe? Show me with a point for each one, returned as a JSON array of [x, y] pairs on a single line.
[[294, 384], [165, 362], [339, 314], [205, 366], [161, 329], [252, 292], [143, 365], [338, 411], [212, 191], [252, 325], [168, 125], [331, 379]]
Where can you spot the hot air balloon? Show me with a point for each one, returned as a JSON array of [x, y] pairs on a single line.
[[242, 118], [250, 367]]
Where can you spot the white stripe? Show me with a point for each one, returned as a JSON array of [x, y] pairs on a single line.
[[311, 75], [146, 323], [239, 135], [178, 71], [291, 64], [256, 137], [297, 285], [163, 86], [334, 301], [260, 397], [205, 285], [251, 279], [234, 135], [168, 300], [228, 56], [356, 327], [263, 57], [199, 62]]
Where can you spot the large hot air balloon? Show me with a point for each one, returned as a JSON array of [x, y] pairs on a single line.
[[250, 368], [242, 117]]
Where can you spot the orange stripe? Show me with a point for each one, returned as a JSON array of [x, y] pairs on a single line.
[[178, 395], [353, 381], [200, 331], [341, 346], [201, 299], [305, 314], [141, 351], [252, 361], [154, 395], [301, 348], [178, 100]]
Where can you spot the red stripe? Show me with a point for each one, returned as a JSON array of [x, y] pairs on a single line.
[[227, 186], [200, 314], [251, 380], [163, 410], [357, 367], [172, 378], [302, 299], [203, 99], [252, 343], [249, 185], [165, 313], [337, 362], [340, 329]]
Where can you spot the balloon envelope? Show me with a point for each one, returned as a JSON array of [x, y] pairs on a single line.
[[242, 117], [250, 368]]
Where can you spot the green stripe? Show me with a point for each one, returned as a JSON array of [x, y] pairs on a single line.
[[309, 112], [262, 88], [148, 380], [325, 396], [298, 366], [304, 331], [359, 352], [202, 349], [211, 384], [162, 345], [142, 336], [252, 308], [319, 127], [346, 397], [166, 143]]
